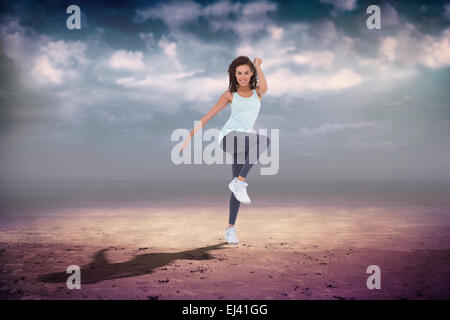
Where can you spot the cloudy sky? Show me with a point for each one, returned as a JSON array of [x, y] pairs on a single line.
[[103, 101]]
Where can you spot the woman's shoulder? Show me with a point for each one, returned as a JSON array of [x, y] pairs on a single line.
[[228, 95]]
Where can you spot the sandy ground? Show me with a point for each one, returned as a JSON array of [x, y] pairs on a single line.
[[288, 252]]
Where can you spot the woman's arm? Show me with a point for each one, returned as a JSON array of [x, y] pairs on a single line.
[[262, 88], [224, 99]]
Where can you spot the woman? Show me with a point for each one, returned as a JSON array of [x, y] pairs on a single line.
[[245, 97]]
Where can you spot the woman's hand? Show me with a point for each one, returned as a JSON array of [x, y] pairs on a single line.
[[257, 62], [185, 143]]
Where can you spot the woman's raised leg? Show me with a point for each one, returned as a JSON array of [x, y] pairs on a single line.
[[261, 143]]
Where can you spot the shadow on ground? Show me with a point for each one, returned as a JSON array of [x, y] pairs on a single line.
[[100, 269]]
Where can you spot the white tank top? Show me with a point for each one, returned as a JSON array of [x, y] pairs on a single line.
[[244, 112]]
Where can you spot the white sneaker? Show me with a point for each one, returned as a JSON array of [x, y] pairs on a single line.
[[239, 189], [230, 235]]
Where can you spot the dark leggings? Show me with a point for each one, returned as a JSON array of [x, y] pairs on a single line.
[[242, 169]]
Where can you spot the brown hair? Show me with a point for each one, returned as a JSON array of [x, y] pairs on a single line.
[[232, 86]]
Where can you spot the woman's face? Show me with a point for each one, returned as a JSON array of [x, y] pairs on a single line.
[[243, 75]]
